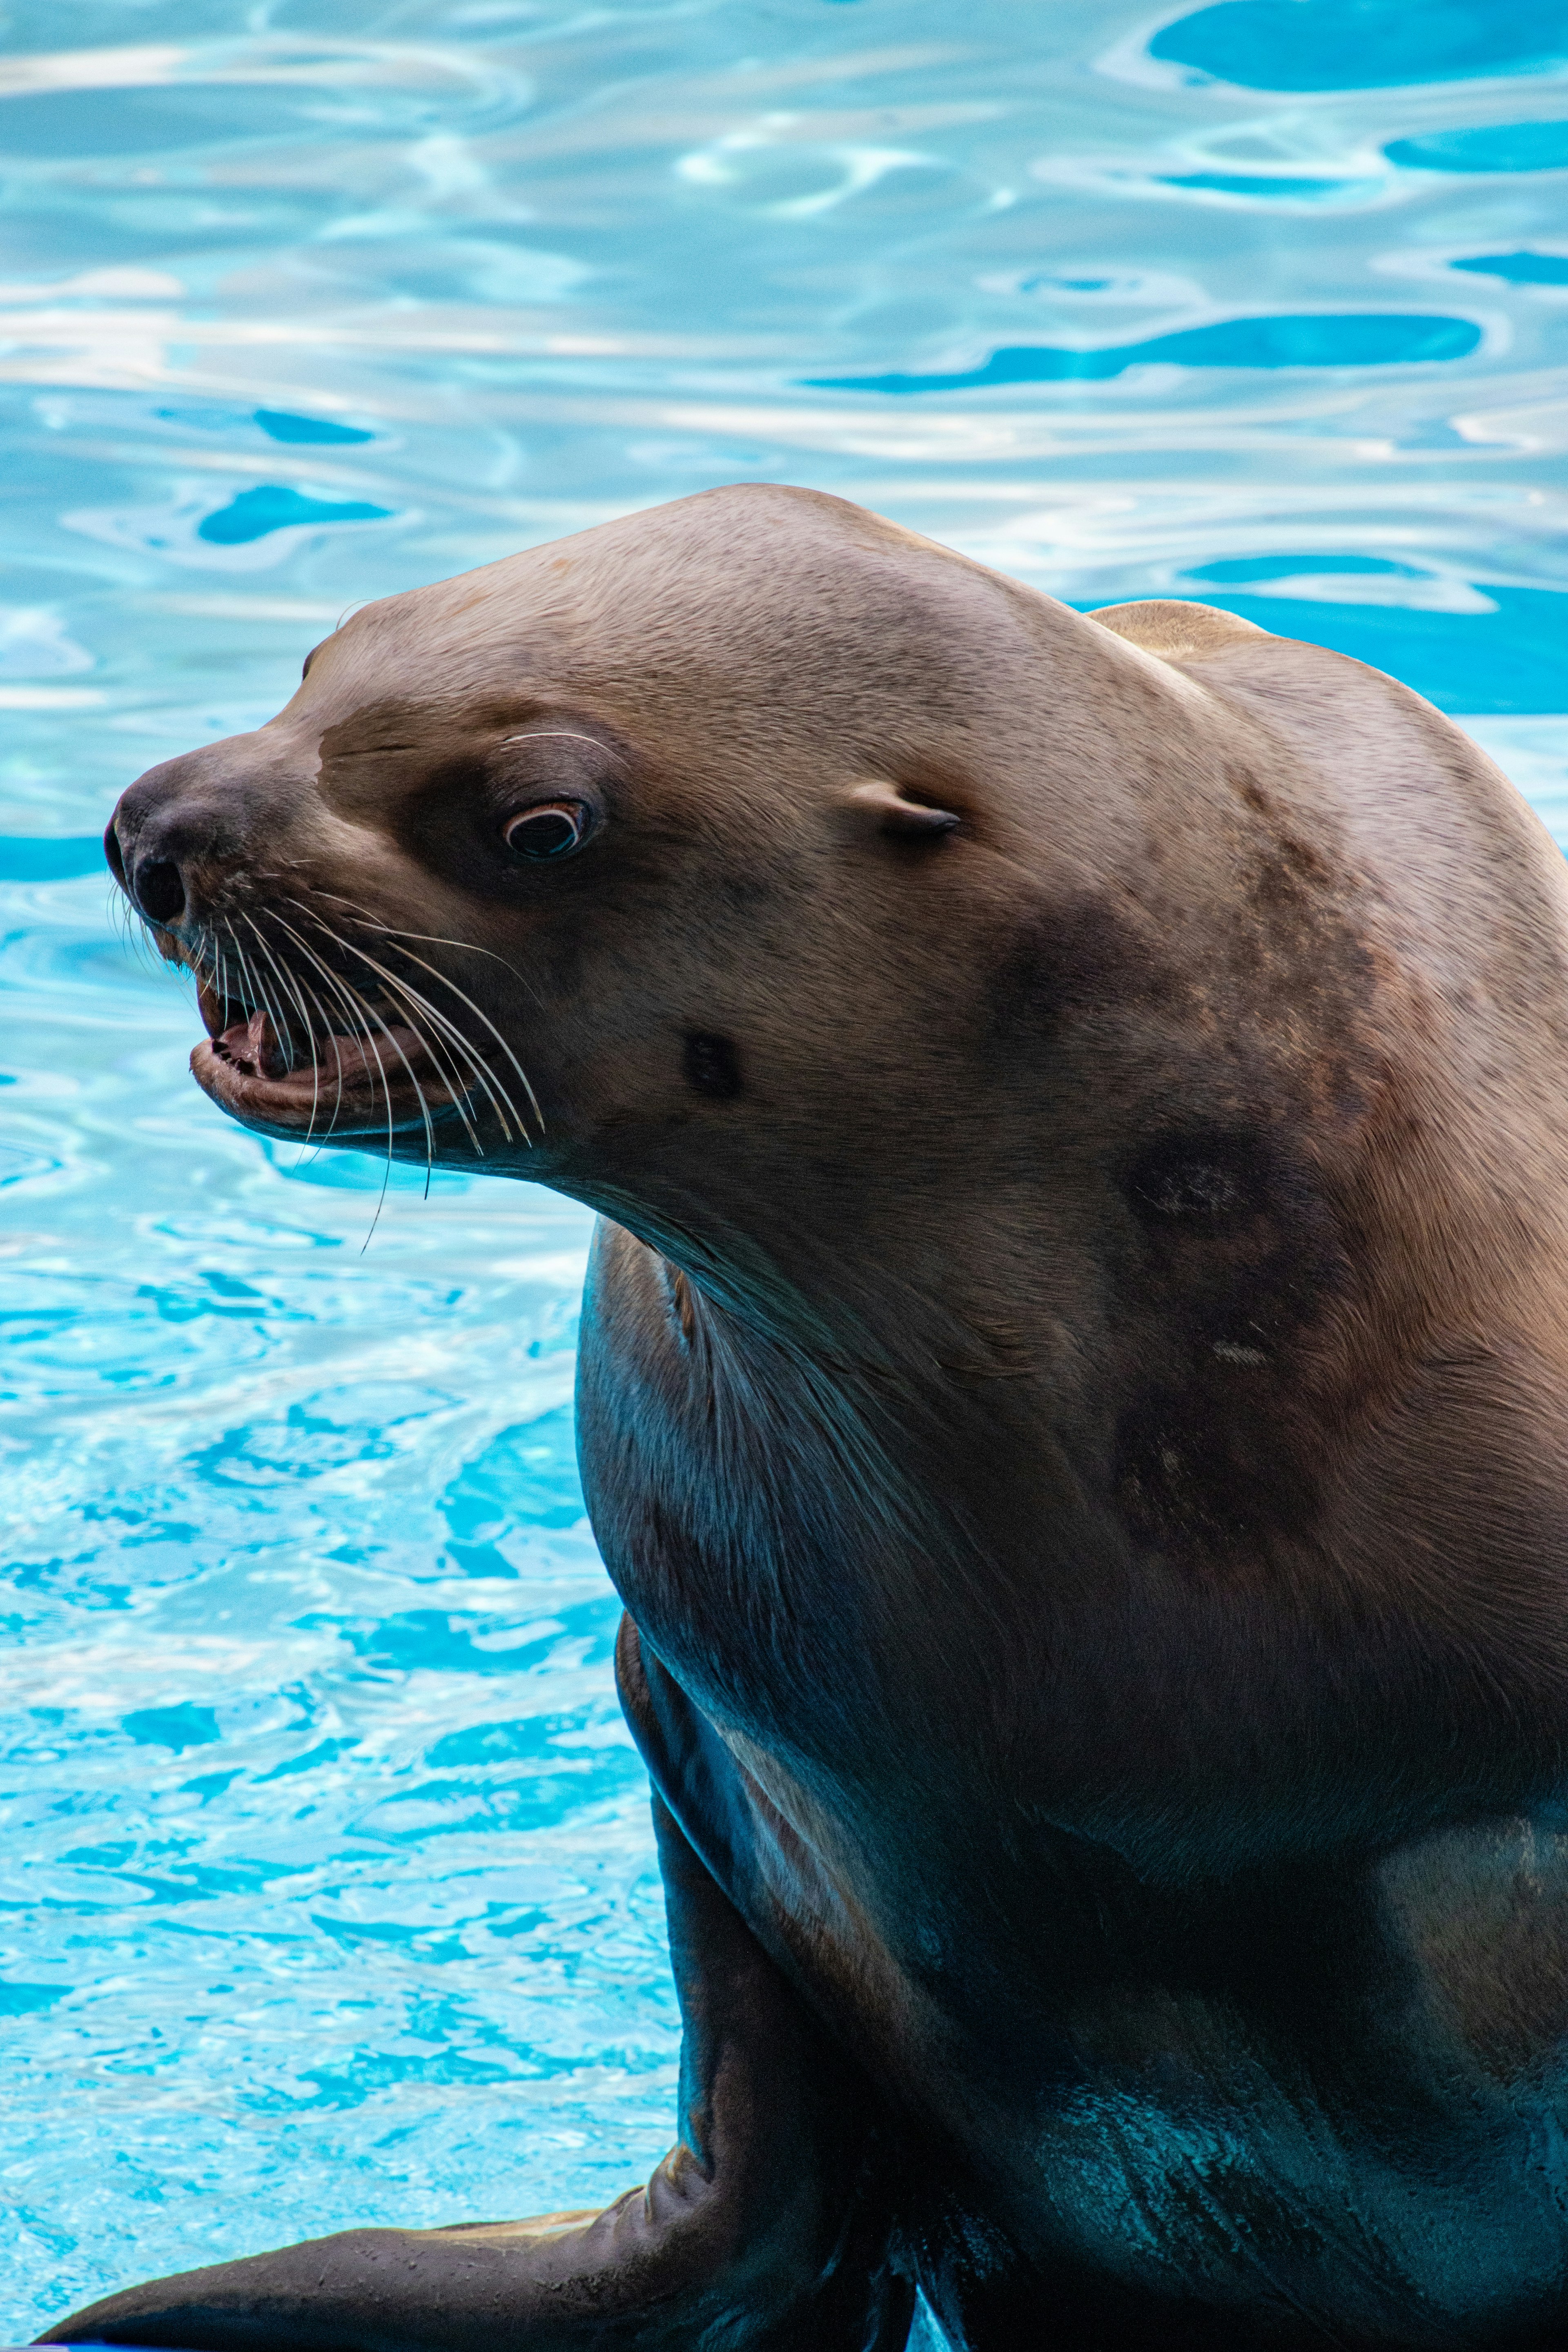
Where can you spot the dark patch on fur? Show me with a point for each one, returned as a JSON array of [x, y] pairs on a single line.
[[1205, 1178], [712, 1064], [1248, 790], [1289, 873], [1215, 1454], [1079, 956], [1206, 1482]]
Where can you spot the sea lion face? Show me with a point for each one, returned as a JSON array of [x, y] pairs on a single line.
[[609, 837]]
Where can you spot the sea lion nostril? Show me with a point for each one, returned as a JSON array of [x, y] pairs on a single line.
[[115, 853], [158, 889]]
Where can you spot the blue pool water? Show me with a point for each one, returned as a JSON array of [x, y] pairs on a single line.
[[325, 1887]]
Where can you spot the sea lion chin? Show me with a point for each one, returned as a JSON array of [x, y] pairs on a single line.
[[1071, 1395]]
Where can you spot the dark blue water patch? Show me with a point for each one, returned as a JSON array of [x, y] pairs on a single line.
[[282, 425], [56, 857], [403, 1937], [1519, 268], [177, 1728], [1234, 571], [493, 1743], [219, 1294], [1312, 339], [516, 1806], [202, 417], [99, 1857], [21, 2000], [1243, 184], [326, 1752], [1365, 44], [1486, 147], [350, 2085], [524, 1477], [274, 505], [201, 1882], [302, 1446], [436, 1639], [1512, 660]]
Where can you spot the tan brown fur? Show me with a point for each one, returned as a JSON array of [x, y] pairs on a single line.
[[1072, 1394]]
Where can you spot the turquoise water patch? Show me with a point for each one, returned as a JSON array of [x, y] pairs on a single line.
[[280, 425], [1519, 268], [1310, 339], [1486, 147], [40, 858], [1235, 570], [22, 1999], [1257, 188], [274, 505], [526, 1478], [1312, 45], [1514, 658], [175, 1727], [337, 1169]]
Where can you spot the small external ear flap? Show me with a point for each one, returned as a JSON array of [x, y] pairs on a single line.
[[908, 820]]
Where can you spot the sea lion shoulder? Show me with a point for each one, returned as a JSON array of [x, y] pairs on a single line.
[[1173, 629]]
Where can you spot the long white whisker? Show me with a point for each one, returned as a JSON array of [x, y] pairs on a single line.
[[439, 1049], [437, 973], [283, 975], [450, 1035], [419, 1091], [447, 1035], [250, 995], [430, 939], [269, 1005], [350, 1005]]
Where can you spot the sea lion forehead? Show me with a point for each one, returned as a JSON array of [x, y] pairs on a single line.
[[724, 586]]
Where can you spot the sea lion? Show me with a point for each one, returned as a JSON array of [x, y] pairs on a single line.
[[1073, 1395]]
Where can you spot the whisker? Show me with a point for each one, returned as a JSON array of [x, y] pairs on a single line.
[[357, 1026], [281, 973], [432, 938], [261, 1001], [419, 1091], [279, 1027], [449, 1034], [439, 1049]]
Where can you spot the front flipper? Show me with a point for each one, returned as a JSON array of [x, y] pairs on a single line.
[[765, 2227]]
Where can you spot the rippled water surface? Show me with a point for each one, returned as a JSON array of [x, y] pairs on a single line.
[[325, 1891]]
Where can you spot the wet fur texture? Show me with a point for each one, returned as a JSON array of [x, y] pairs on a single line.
[[1071, 1394]]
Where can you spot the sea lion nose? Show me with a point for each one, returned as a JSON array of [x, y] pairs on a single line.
[[159, 890], [150, 877], [170, 838]]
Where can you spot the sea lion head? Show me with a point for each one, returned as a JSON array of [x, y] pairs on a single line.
[[702, 822]]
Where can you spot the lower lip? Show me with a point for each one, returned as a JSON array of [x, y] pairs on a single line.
[[356, 1087]]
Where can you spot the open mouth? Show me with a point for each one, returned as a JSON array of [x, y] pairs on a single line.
[[313, 1078]]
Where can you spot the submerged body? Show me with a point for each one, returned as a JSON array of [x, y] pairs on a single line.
[[1071, 1395]]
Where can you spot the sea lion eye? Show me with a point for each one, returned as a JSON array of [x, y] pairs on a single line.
[[548, 829]]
